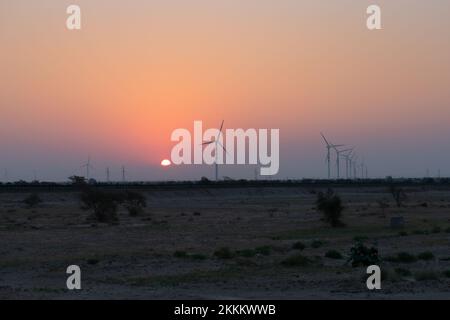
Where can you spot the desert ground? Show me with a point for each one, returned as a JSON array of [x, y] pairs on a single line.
[[203, 242]]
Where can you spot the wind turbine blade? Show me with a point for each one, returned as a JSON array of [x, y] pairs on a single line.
[[221, 126], [205, 143], [224, 149], [325, 139]]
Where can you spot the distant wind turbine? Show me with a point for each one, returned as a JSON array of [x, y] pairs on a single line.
[[338, 156], [329, 146], [348, 163], [217, 142], [88, 167]]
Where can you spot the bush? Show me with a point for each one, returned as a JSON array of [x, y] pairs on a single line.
[[32, 200], [330, 205], [447, 273], [398, 194], [103, 204], [135, 203], [333, 254], [298, 246], [427, 256], [436, 230], [360, 255], [224, 253], [317, 244], [297, 260]]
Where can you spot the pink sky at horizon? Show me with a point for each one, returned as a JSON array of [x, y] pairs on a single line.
[[140, 69]]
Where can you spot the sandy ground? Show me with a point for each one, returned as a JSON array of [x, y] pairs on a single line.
[[135, 259]]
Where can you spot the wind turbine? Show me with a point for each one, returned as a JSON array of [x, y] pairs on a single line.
[[348, 164], [328, 156], [216, 142], [338, 156], [88, 166], [354, 164]]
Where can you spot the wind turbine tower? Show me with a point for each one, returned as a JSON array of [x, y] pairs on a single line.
[[217, 142]]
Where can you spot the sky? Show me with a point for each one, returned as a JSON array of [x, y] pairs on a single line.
[[139, 69]]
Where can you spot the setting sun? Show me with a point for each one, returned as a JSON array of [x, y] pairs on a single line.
[[166, 163]]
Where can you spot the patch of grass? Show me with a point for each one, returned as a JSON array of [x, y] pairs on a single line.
[[224, 253], [333, 254], [298, 246], [446, 273], [180, 254], [402, 257], [436, 230], [297, 260], [198, 256], [427, 256], [420, 232], [360, 238], [403, 272], [246, 253], [264, 250], [426, 276], [184, 255], [317, 244], [32, 200]]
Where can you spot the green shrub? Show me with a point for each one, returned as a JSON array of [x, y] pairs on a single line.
[[330, 204], [447, 273], [447, 230], [333, 254], [360, 255], [298, 246], [224, 253], [297, 260], [403, 233], [427, 255]]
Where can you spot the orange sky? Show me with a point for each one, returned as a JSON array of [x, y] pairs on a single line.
[[139, 69]]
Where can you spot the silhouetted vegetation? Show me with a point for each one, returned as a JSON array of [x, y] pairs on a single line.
[[398, 194], [103, 204], [360, 255], [32, 200], [330, 205], [135, 203], [333, 254], [297, 260]]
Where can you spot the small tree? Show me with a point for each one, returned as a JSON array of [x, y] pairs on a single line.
[[398, 194], [330, 205]]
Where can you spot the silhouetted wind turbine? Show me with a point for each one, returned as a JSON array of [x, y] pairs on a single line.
[[328, 156], [88, 166], [348, 164], [217, 142], [338, 156]]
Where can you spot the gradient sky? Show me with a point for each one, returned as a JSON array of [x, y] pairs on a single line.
[[139, 69]]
